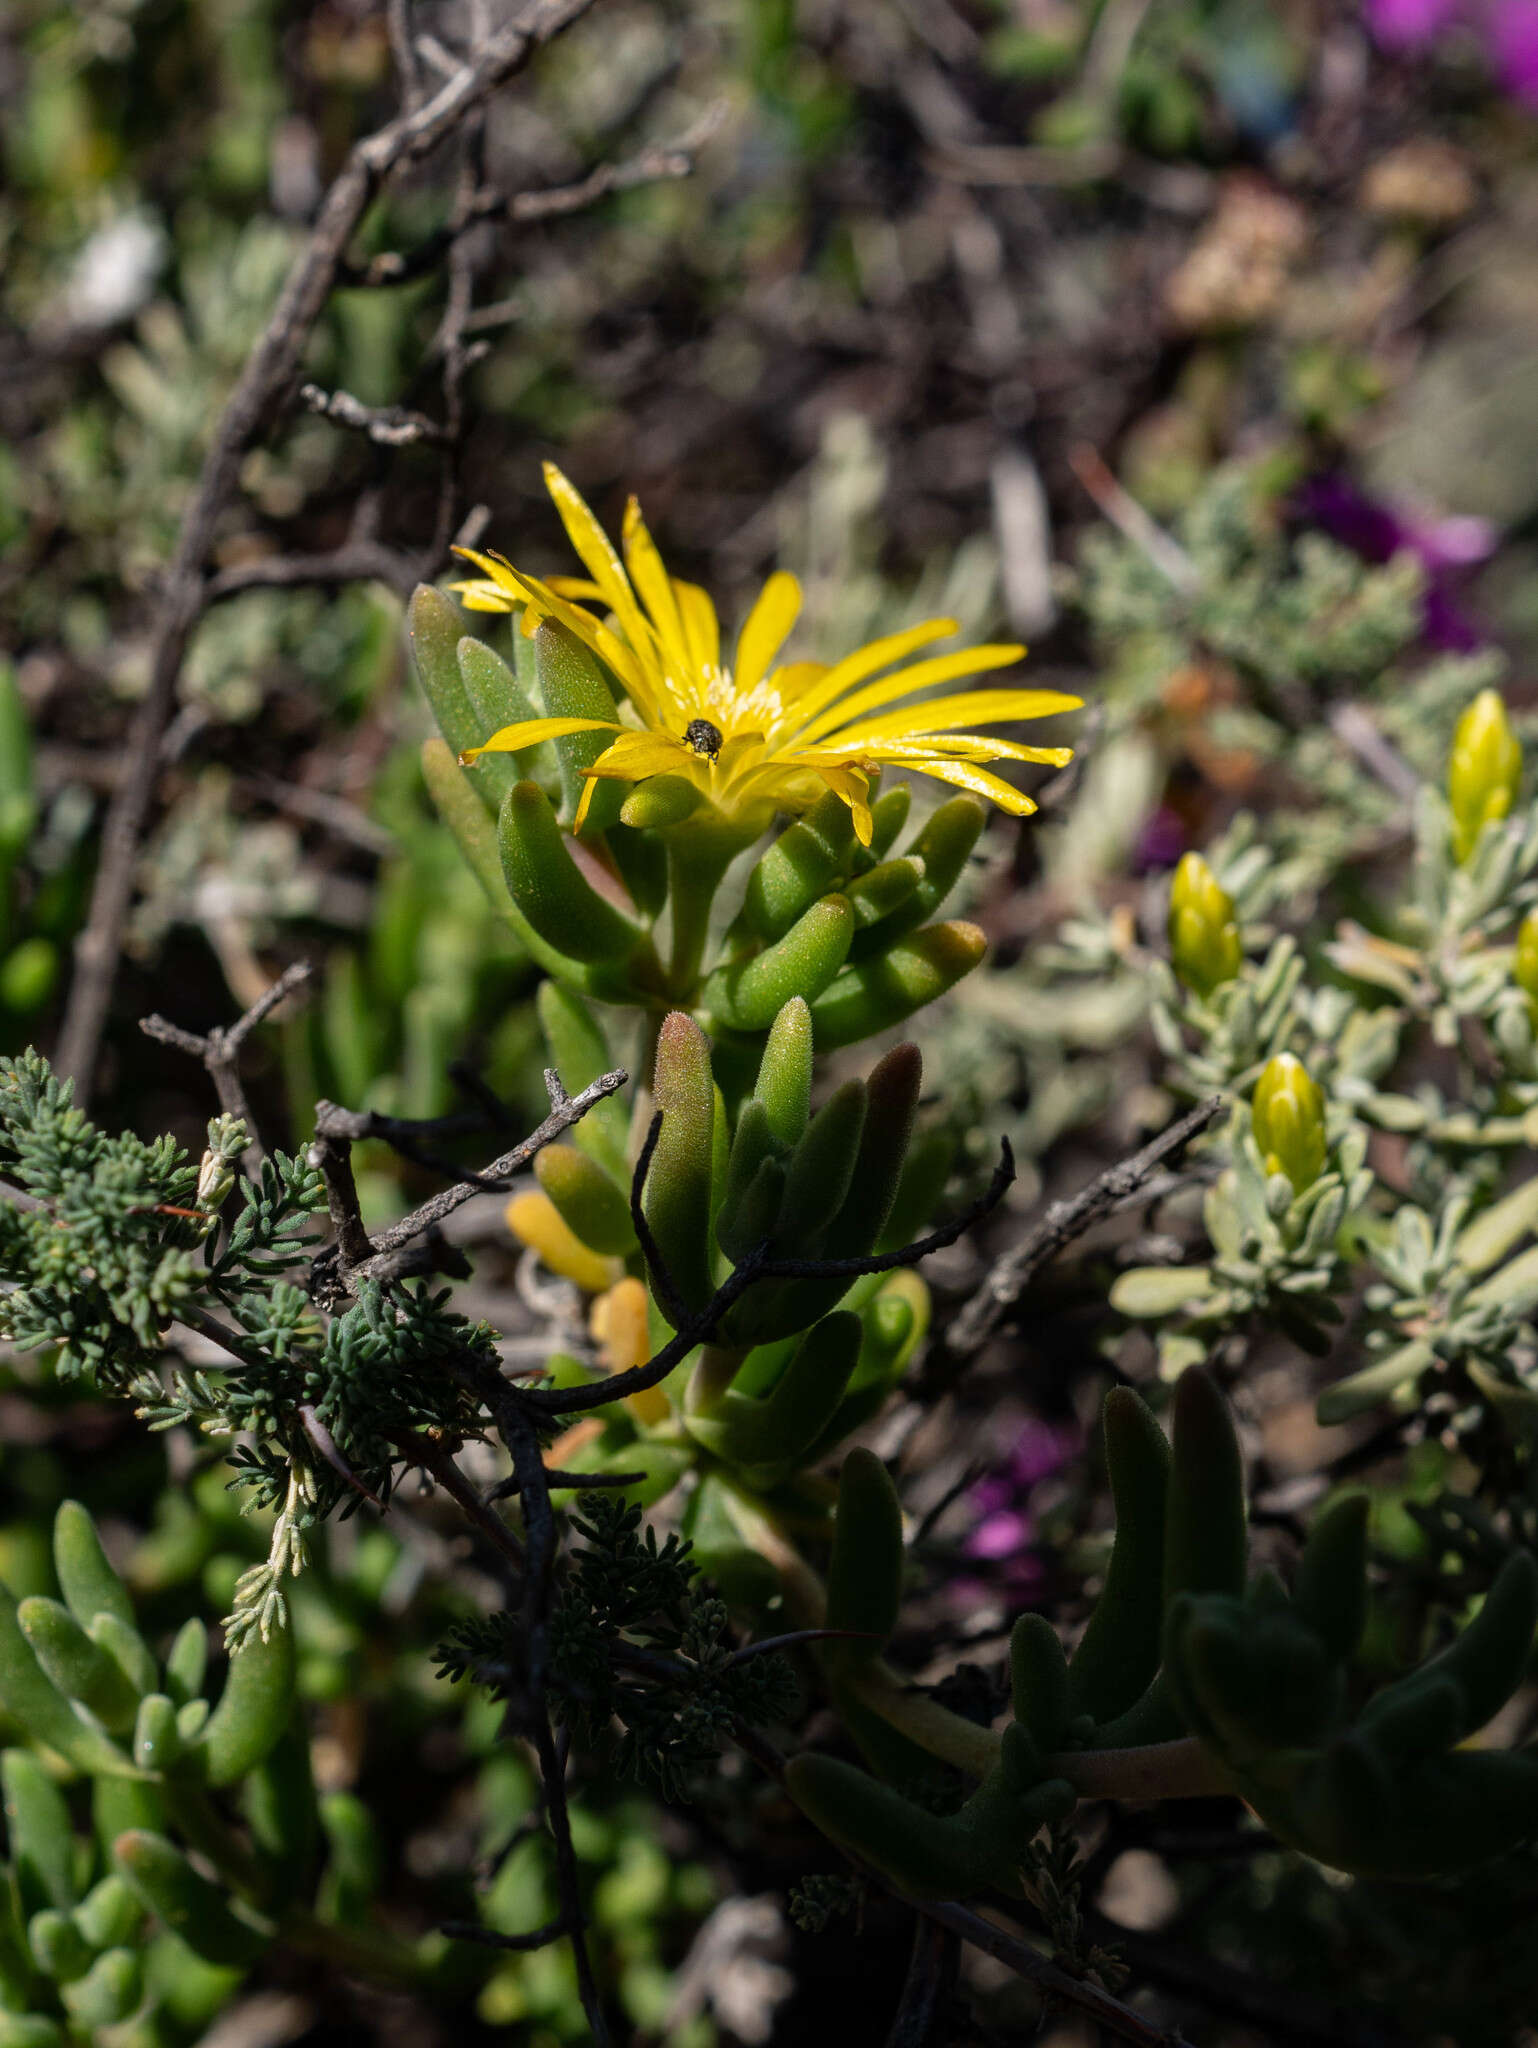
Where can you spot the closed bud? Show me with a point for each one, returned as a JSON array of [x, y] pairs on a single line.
[[664, 800], [215, 1179], [620, 1323], [594, 1206], [1287, 1116], [535, 1221], [1524, 961], [1484, 771], [1204, 936]]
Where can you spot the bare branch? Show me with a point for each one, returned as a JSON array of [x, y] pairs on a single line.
[[268, 373], [521, 1435], [754, 1268], [661, 163], [985, 1934], [220, 1049], [390, 426], [1063, 1222], [366, 1260], [332, 1159], [520, 1944], [928, 1988], [663, 1287], [354, 562], [1025, 1961], [575, 1482], [435, 1459]]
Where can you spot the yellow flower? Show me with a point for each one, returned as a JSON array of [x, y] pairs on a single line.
[[754, 737]]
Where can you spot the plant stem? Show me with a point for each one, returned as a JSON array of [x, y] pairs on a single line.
[[362, 1952], [1183, 1769], [718, 1365], [945, 1735], [697, 860]]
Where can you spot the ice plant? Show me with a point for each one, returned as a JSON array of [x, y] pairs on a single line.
[[758, 735]]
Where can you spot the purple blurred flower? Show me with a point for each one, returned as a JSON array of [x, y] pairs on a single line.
[[1507, 28], [1006, 1530], [1410, 24], [1377, 532], [1160, 843], [1512, 39]]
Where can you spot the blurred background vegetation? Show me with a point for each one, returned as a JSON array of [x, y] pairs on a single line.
[[958, 295]]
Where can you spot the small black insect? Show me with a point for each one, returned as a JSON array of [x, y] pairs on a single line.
[[704, 737]]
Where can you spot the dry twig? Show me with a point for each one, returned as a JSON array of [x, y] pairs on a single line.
[[219, 1050], [267, 377], [990, 1306]]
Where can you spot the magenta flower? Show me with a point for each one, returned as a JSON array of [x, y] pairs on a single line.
[[1378, 531], [1508, 29], [1006, 1531], [1410, 24], [1513, 44]]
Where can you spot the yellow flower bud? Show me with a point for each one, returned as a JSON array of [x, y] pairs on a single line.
[[620, 1323], [1204, 938], [1524, 960], [535, 1221], [1484, 771], [1287, 1116]]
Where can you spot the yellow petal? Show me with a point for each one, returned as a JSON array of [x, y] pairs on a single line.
[[971, 708], [940, 668], [578, 587], [592, 544], [484, 597], [651, 580], [535, 1221], [795, 679], [775, 611], [635, 755], [495, 566], [854, 788], [961, 746], [595, 636], [528, 732], [739, 754], [981, 783], [866, 661], [792, 784], [702, 629]]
